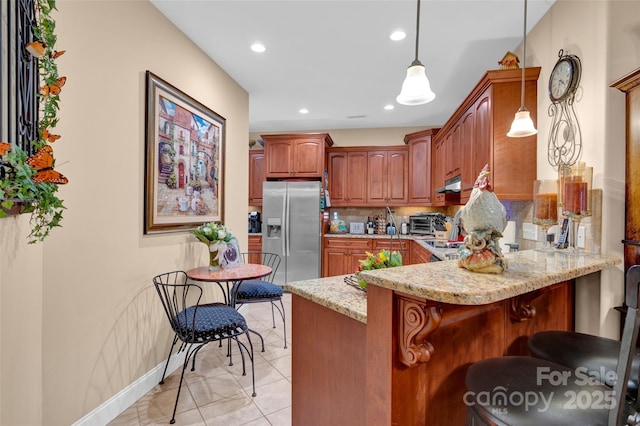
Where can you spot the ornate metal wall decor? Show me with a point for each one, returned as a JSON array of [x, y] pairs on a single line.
[[565, 137]]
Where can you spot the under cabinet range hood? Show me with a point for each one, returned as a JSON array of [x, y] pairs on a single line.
[[451, 186]]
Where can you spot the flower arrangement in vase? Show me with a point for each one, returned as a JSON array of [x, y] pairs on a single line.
[[380, 260], [215, 236]]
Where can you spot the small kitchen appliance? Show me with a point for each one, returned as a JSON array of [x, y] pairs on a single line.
[[426, 223], [255, 226]]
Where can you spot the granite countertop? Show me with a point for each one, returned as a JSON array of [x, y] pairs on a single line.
[[333, 293], [446, 282]]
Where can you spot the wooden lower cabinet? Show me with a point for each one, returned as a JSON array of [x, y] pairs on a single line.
[[394, 245], [340, 256], [255, 244], [419, 254]]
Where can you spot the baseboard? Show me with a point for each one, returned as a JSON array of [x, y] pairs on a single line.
[[128, 396]]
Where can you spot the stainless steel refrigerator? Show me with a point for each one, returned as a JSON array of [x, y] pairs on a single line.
[[291, 228]]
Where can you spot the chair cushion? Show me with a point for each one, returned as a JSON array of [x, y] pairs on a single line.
[[517, 390], [212, 322], [578, 350], [257, 289]]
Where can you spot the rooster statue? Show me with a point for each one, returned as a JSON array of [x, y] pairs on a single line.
[[483, 219]]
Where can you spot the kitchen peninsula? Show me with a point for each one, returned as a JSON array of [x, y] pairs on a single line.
[[398, 354]]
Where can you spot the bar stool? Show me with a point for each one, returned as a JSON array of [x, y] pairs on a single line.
[[517, 390], [578, 350]]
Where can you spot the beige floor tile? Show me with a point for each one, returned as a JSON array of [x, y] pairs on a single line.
[[281, 417], [214, 389], [273, 397], [230, 412], [283, 365]]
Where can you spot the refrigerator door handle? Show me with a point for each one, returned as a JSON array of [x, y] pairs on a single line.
[[287, 219], [285, 227]]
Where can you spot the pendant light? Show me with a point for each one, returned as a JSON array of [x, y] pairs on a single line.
[[416, 89], [523, 124]]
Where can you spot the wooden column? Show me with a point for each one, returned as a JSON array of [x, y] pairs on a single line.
[[630, 84]]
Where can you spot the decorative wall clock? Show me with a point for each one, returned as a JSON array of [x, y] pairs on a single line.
[[565, 137]]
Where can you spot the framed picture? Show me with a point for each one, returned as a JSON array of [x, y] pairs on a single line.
[[229, 255], [184, 160]]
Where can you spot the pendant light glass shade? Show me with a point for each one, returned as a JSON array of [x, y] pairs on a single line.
[[522, 125], [416, 89]]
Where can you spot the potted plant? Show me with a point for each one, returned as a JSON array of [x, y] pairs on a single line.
[[28, 183]]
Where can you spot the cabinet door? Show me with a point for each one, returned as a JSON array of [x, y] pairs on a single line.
[[307, 158], [334, 262], [353, 261], [356, 181], [278, 156], [255, 244], [438, 170], [482, 135], [419, 254], [397, 182], [257, 175], [466, 157], [337, 168], [420, 171], [454, 150], [376, 177], [347, 178]]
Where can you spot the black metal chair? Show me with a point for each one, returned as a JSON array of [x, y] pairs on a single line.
[[520, 390], [263, 290], [196, 324]]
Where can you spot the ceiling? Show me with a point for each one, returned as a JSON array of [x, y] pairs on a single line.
[[335, 57]]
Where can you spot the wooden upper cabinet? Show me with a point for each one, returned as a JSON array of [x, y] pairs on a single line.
[[467, 165], [482, 122], [420, 188], [387, 182], [295, 155], [453, 151], [257, 176], [438, 172], [347, 177]]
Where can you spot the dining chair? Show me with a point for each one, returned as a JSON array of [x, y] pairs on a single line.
[[196, 324], [525, 390], [263, 290]]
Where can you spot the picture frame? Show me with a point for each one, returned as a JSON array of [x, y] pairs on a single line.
[[230, 255], [184, 160]]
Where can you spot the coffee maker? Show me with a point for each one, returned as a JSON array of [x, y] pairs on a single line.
[[255, 225]]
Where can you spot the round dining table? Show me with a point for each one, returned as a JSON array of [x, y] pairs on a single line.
[[231, 277]]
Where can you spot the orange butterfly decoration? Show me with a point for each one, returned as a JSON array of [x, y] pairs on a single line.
[[56, 53], [42, 163], [49, 137], [4, 147], [53, 88]]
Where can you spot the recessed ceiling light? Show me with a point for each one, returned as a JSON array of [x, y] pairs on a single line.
[[389, 107], [304, 111], [397, 35], [258, 47]]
